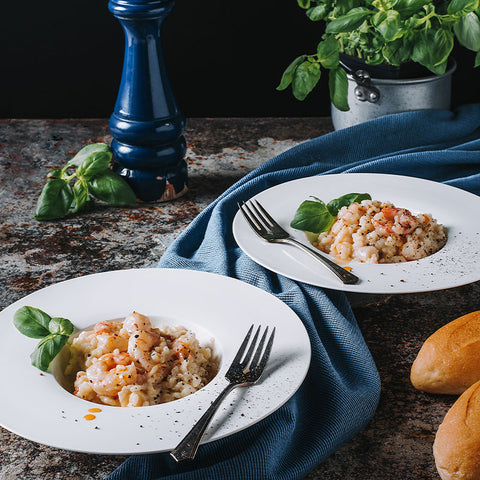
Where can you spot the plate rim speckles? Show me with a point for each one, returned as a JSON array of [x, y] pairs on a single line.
[[220, 307], [456, 264]]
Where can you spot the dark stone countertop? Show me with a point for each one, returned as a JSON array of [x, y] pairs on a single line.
[[397, 443]]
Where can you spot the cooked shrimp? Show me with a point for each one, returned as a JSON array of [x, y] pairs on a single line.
[[83, 388], [133, 363], [105, 338], [394, 221], [350, 214], [182, 351], [141, 347], [136, 321], [111, 372], [132, 396], [107, 327]]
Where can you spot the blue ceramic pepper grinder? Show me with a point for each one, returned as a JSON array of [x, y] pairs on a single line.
[[147, 126]]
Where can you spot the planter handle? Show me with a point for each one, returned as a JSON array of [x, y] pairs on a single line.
[[363, 91]]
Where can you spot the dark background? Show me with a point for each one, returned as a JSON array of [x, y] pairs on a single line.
[[64, 59]]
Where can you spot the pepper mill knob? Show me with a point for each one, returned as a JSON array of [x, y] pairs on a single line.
[[146, 125]]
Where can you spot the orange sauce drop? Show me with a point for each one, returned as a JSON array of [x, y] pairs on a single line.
[[347, 268], [89, 417], [94, 410]]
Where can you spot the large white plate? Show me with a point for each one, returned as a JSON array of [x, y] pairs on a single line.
[[458, 263], [35, 406]]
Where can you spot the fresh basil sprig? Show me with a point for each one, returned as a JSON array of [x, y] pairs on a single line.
[[391, 32], [54, 332], [316, 216], [85, 177]]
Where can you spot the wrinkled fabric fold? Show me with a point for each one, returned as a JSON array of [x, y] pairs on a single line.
[[341, 391]]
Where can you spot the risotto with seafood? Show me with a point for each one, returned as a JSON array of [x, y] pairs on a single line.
[[376, 232], [130, 363]]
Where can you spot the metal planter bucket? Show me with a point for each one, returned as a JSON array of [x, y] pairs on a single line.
[[373, 97]]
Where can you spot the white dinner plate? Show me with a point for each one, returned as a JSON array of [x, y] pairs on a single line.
[[457, 263], [35, 406]]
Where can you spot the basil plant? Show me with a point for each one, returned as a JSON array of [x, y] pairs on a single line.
[[391, 32]]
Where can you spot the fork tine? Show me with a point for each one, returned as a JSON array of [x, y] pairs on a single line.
[[259, 217], [251, 219], [243, 346], [249, 354], [269, 221], [266, 214], [266, 354], [258, 352]]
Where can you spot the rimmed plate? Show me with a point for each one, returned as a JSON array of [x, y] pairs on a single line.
[[35, 406], [457, 263]]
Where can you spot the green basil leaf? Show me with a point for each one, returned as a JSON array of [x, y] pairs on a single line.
[[397, 52], [112, 188], [342, 7], [304, 3], [55, 200], [338, 85], [415, 22], [432, 49], [442, 46], [61, 326], [328, 52], [439, 69], [80, 192], [287, 76], [390, 27], [32, 322], [477, 60], [315, 217], [375, 59], [378, 18], [305, 78], [86, 152], [461, 7], [47, 350], [345, 200], [407, 8], [348, 22], [467, 30], [312, 216], [94, 164], [384, 5], [317, 13], [55, 173]]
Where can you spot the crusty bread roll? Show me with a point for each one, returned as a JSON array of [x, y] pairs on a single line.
[[457, 444], [449, 360]]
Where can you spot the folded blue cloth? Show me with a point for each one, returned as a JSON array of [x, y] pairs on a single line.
[[341, 390]]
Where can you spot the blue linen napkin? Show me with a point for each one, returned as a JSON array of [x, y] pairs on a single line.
[[342, 388]]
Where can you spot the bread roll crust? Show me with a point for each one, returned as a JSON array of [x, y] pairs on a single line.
[[449, 360], [457, 443]]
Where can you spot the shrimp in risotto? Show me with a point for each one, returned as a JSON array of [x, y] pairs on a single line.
[[376, 232], [131, 363]]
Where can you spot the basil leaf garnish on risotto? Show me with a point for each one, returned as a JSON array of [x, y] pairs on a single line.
[[60, 326], [315, 216], [32, 322], [346, 200], [54, 332], [312, 216], [47, 350]]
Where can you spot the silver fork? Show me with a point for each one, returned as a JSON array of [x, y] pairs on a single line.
[[268, 229], [246, 369]]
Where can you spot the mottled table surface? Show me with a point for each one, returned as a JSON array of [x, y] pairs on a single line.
[[397, 443]]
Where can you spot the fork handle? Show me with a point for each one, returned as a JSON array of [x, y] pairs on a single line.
[[344, 275], [187, 448]]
